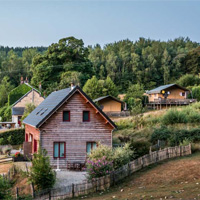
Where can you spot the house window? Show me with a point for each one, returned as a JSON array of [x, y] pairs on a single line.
[[183, 94], [66, 116], [90, 146], [59, 150], [86, 116]]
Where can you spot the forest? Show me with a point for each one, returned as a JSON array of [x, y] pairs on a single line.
[[120, 67]]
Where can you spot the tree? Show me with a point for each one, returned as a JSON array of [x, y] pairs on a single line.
[[188, 80], [69, 77], [109, 88], [41, 174], [92, 88], [97, 88], [5, 88], [69, 54], [28, 109], [134, 98]]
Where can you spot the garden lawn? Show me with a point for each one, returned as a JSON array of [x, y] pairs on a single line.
[[173, 179]]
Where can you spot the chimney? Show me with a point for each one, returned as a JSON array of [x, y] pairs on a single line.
[[40, 87], [26, 81], [72, 86], [22, 80]]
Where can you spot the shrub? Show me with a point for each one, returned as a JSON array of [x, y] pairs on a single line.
[[118, 157], [98, 168], [122, 156], [140, 147], [41, 173], [100, 152], [5, 189], [173, 116], [162, 133], [13, 137]]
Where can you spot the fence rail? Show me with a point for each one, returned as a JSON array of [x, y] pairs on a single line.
[[102, 183]]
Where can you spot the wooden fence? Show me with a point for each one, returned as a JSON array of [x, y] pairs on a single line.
[[103, 183]]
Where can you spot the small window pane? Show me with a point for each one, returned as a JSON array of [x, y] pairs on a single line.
[[89, 146], [56, 146], [62, 150], [66, 116], [94, 145], [86, 116]]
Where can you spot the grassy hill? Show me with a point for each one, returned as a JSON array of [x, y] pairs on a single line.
[[173, 179], [173, 126]]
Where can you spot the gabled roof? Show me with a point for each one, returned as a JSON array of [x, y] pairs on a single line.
[[33, 89], [18, 110], [164, 87], [108, 96], [53, 102]]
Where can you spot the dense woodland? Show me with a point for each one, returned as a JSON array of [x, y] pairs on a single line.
[[120, 67]]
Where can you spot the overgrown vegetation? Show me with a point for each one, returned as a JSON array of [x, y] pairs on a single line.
[[13, 137], [5, 189]]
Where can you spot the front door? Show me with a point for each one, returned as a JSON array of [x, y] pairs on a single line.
[[35, 146], [19, 120]]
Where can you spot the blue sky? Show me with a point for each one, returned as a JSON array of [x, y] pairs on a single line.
[[42, 22]]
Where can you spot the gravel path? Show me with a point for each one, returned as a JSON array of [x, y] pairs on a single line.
[[65, 178]]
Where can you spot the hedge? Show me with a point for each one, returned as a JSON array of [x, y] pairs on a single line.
[[17, 93], [12, 137]]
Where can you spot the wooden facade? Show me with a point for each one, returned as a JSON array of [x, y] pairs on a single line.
[[167, 96], [74, 133]]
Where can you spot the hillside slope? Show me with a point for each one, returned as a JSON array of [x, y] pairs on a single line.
[[174, 179]]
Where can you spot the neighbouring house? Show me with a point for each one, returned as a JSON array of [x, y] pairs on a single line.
[[168, 95], [110, 104], [33, 96], [68, 124]]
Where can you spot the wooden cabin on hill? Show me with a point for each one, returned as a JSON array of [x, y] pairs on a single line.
[[168, 95], [112, 106], [68, 124]]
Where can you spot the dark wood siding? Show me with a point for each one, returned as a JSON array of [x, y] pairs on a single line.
[[75, 133]]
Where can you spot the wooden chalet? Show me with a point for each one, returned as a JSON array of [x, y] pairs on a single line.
[[168, 95], [68, 124], [33, 97]]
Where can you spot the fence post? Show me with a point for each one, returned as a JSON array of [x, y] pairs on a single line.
[[73, 190], [190, 149], [17, 193], [49, 194], [113, 177], [32, 189]]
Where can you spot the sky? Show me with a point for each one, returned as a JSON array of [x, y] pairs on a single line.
[[43, 22]]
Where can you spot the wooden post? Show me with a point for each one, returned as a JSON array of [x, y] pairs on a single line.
[[73, 190], [33, 190], [50, 194], [17, 193]]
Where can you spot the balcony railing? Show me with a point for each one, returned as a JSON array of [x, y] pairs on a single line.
[[173, 101]]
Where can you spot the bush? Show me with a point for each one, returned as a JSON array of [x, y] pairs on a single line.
[[140, 147], [175, 137], [41, 173], [173, 116], [98, 168], [162, 133], [5, 189], [100, 152], [13, 137], [104, 159], [122, 156]]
